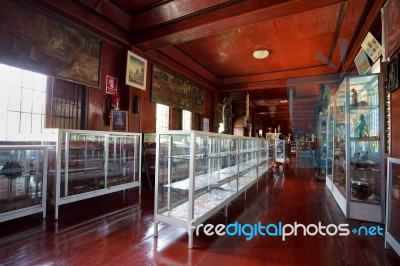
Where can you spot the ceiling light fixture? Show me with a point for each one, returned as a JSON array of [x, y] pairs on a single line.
[[260, 54]]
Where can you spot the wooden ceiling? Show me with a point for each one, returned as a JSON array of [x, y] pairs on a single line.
[[211, 42]]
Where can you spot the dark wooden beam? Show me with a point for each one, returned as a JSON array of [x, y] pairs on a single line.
[[240, 15]]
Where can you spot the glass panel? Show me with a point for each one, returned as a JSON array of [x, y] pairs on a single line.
[[329, 140], [248, 170], [173, 176], [395, 202], [262, 157], [85, 156], [26, 122], [21, 175], [123, 160], [322, 158], [38, 102], [26, 105], [14, 99], [13, 119], [339, 129]]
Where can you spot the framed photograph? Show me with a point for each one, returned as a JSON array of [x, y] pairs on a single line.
[[362, 62], [119, 121], [372, 47], [136, 68], [393, 74]]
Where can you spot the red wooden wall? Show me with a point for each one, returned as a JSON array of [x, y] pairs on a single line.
[[395, 123]]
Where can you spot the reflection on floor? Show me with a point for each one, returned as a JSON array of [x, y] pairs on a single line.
[[111, 230]]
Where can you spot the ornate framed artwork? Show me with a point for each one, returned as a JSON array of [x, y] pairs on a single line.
[[119, 121], [136, 68], [172, 90], [35, 40], [390, 28], [393, 74]]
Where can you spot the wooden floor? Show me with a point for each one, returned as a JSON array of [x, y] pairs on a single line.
[[112, 231]]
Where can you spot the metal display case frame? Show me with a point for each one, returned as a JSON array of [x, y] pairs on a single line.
[[322, 160], [200, 173], [32, 171], [114, 158], [356, 177]]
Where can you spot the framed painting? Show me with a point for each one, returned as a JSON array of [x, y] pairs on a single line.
[[393, 74], [119, 121], [136, 68], [38, 41], [390, 28], [172, 90]]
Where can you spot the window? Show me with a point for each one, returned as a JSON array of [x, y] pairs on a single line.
[[186, 120], [162, 117], [65, 105], [22, 102], [27, 105]]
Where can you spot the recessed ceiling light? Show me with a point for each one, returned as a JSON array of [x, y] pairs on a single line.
[[260, 54]]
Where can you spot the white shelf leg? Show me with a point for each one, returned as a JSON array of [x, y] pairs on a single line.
[[156, 229]]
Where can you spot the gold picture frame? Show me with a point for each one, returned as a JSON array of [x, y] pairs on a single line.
[[136, 71], [119, 121]]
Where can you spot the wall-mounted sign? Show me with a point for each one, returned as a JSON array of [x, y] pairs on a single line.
[[111, 85]]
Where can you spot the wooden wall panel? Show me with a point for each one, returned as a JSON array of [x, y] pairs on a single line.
[[209, 110], [147, 108], [395, 123], [113, 60]]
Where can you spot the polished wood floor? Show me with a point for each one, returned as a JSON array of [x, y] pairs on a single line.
[[111, 230]]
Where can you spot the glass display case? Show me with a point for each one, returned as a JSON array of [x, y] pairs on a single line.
[[305, 157], [92, 163], [23, 181], [392, 228], [282, 151], [357, 152], [200, 173]]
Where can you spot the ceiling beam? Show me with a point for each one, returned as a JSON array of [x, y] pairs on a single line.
[[236, 17], [286, 75]]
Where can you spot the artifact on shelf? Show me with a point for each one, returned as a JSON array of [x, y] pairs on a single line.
[[361, 160], [354, 100], [12, 169], [362, 128], [360, 190]]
